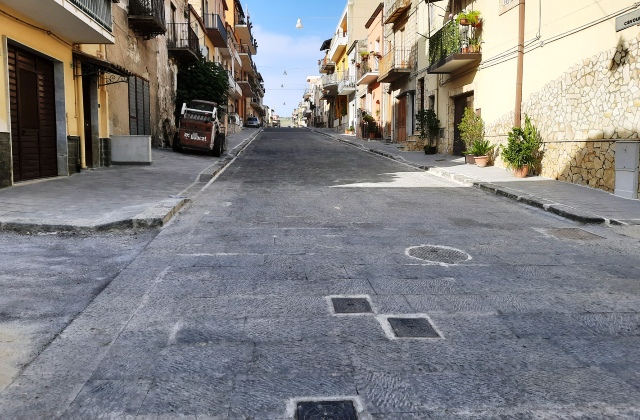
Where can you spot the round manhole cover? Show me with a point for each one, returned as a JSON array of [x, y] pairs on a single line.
[[438, 254]]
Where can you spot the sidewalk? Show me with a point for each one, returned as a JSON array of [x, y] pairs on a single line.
[[575, 202], [119, 196]]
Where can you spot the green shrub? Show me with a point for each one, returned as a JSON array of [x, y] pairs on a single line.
[[523, 146]]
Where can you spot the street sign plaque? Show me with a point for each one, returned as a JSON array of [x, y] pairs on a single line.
[[628, 20]]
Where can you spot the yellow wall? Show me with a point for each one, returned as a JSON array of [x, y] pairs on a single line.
[[42, 43]]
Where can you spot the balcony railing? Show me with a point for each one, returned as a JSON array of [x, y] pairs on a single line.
[[367, 66], [98, 10], [182, 41], [325, 65], [347, 85], [449, 48], [394, 9], [396, 59], [146, 17], [338, 45], [215, 30]]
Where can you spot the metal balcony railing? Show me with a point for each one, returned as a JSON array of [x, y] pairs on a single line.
[[98, 10], [182, 35], [329, 79], [369, 65], [397, 58], [347, 83], [146, 17], [445, 42], [216, 29], [393, 9]]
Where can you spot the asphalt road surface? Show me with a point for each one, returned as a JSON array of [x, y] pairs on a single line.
[[314, 276]]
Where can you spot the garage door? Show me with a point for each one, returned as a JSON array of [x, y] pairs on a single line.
[[33, 124]]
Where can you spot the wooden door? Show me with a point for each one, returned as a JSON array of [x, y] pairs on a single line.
[[401, 120], [33, 124]]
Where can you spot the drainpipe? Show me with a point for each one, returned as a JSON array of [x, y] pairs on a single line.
[[518, 109]]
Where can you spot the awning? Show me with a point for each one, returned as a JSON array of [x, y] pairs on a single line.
[[326, 45], [101, 66]]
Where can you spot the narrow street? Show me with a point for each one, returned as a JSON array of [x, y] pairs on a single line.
[[309, 270]]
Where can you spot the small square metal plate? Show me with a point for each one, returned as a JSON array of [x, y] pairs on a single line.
[[324, 410], [351, 305], [412, 327]]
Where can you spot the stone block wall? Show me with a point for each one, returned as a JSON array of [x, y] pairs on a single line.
[[6, 168], [581, 114], [105, 152]]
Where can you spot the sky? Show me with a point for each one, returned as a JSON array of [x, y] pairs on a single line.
[[283, 48]]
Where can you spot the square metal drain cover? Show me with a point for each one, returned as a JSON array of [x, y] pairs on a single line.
[[351, 305], [573, 233], [412, 327], [326, 410]]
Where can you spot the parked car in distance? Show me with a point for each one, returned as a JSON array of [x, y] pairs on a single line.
[[252, 122]]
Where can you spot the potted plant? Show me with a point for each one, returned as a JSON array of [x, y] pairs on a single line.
[[364, 54], [461, 19], [471, 130], [474, 44], [350, 130], [429, 127], [522, 151], [473, 17], [481, 150]]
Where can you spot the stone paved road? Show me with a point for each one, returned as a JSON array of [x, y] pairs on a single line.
[[226, 313]]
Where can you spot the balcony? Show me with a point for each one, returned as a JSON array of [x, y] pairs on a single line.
[[245, 57], [326, 66], [446, 52], [347, 85], [146, 18], [182, 42], [395, 9], [76, 21], [307, 93], [235, 91], [215, 30], [330, 84], [367, 73], [231, 51], [243, 31], [245, 86], [396, 64], [338, 46]]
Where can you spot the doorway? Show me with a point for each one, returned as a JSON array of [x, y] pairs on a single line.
[[33, 115], [401, 119], [460, 104]]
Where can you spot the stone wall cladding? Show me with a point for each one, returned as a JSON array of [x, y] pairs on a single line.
[[73, 153], [582, 113], [6, 168], [105, 152]]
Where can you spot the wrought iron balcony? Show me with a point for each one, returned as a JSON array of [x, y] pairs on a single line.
[[216, 31], [347, 85], [243, 31], [235, 91], [98, 10], [325, 65], [368, 71], [76, 21], [146, 18], [182, 41], [395, 9], [449, 49], [395, 64]]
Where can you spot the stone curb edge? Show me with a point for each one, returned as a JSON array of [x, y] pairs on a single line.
[[154, 217], [562, 210]]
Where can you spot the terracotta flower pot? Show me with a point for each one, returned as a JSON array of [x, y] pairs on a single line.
[[482, 160], [464, 22], [521, 172], [469, 159]]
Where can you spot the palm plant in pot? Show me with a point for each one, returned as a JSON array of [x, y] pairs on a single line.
[[471, 130], [481, 150], [429, 126], [522, 152]]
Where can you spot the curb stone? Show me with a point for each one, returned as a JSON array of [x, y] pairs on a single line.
[[562, 210]]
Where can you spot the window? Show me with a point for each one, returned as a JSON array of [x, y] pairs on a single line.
[[139, 107]]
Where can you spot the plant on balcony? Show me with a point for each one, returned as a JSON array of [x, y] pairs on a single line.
[[468, 18], [522, 151], [429, 127], [444, 43], [471, 129], [474, 44], [364, 54]]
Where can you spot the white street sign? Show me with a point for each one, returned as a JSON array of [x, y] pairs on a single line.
[[628, 20]]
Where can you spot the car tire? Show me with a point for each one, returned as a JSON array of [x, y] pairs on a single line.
[[218, 141]]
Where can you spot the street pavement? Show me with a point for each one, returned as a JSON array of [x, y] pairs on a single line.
[[460, 304], [576, 202], [120, 196]]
